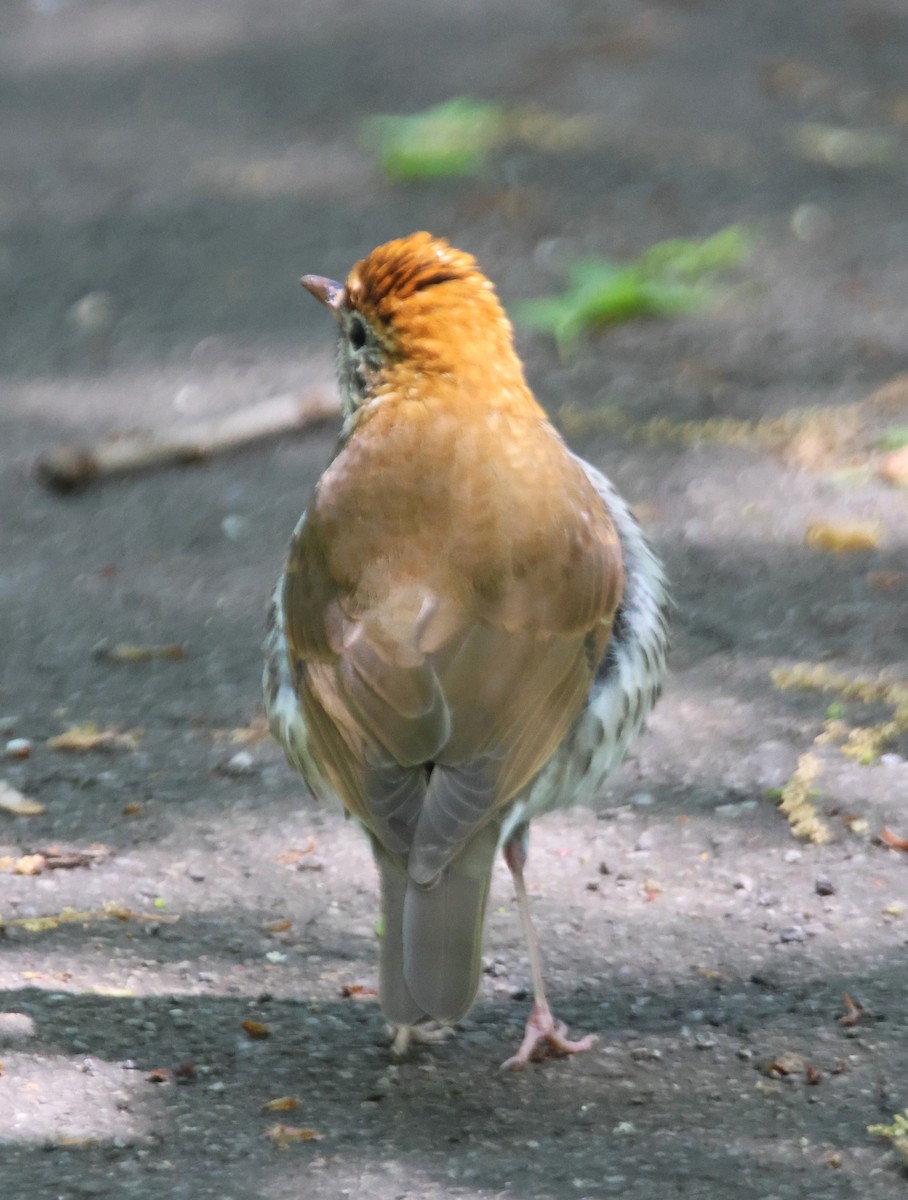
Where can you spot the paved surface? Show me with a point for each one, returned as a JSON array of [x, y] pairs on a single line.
[[190, 161]]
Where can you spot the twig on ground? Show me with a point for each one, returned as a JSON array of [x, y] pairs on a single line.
[[70, 467]]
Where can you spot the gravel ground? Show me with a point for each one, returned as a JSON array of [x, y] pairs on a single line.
[[189, 162]]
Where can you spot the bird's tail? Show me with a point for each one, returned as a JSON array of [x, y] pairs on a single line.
[[432, 942]]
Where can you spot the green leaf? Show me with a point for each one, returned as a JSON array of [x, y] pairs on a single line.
[[451, 139], [894, 439], [694, 260], [668, 278]]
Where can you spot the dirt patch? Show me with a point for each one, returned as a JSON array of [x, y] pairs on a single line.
[[188, 165]]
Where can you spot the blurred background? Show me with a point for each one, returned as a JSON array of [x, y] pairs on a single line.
[[696, 212]]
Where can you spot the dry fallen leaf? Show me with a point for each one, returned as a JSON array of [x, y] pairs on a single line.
[[843, 537], [892, 840], [355, 991], [813, 1075], [16, 804], [244, 735], [853, 1011], [122, 913], [255, 1029], [290, 858], [281, 1104], [160, 1075], [786, 1063], [886, 581], [281, 926], [53, 859], [712, 973], [651, 890], [80, 739], [859, 826], [283, 1135], [27, 864]]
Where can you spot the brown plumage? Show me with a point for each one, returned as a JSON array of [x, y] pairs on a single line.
[[447, 601]]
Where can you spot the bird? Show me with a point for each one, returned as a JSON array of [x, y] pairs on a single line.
[[470, 628]]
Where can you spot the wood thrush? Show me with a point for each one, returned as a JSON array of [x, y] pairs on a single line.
[[470, 629]]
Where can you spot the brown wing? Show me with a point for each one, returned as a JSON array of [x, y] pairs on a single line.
[[435, 693]]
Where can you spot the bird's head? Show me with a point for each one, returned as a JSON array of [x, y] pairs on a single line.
[[413, 310]]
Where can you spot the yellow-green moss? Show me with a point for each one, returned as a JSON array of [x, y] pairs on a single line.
[[863, 743], [797, 801]]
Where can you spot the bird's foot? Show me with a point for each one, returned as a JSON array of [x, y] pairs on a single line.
[[427, 1033], [544, 1036]]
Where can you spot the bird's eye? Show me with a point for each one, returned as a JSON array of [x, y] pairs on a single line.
[[357, 334]]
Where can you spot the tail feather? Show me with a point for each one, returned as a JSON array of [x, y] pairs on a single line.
[[441, 931], [397, 1004]]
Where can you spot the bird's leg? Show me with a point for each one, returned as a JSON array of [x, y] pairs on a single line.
[[542, 1030]]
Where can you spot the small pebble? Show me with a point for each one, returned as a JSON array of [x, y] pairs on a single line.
[[810, 223], [735, 810], [643, 1053], [792, 856], [795, 933], [15, 1027], [892, 760], [189, 398], [824, 887], [18, 748], [233, 526], [242, 763]]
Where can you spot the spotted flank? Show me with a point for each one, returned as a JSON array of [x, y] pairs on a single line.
[[285, 720], [626, 686]]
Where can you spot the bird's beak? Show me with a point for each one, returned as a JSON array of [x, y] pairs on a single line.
[[330, 293]]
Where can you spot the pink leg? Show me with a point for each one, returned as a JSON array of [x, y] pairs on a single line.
[[543, 1033]]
